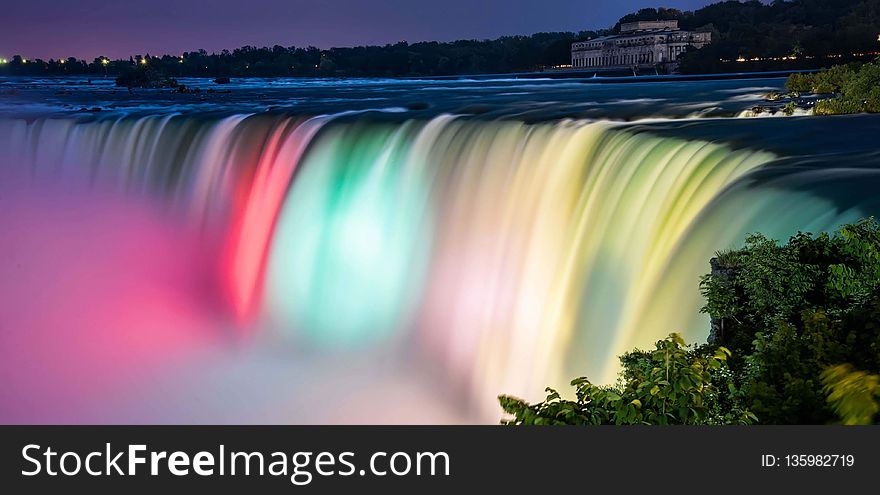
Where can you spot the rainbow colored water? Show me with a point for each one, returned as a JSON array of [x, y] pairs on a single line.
[[399, 270]]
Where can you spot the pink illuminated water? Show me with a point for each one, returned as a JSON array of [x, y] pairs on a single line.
[[98, 291], [276, 269]]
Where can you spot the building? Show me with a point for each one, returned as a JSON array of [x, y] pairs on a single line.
[[640, 45]]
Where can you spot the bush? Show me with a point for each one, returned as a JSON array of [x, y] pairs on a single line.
[[838, 106], [854, 395], [857, 88], [864, 87], [789, 312], [799, 343], [826, 81], [673, 384], [799, 83]]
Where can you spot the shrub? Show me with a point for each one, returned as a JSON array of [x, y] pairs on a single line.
[[838, 106], [857, 88], [673, 384], [799, 83], [799, 319], [854, 395], [791, 311]]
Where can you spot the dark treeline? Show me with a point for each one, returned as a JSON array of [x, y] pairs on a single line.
[[818, 32], [505, 54]]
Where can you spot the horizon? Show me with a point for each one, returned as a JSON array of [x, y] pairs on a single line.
[[160, 31]]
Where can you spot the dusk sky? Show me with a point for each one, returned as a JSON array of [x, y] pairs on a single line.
[[88, 28]]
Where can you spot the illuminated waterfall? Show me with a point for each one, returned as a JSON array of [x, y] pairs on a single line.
[[508, 256]]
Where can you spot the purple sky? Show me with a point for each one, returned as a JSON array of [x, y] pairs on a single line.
[[118, 28]]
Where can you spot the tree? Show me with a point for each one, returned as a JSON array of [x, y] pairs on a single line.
[[795, 340], [854, 395], [789, 312], [673, 384]]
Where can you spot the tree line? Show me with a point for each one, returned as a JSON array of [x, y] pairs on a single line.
[[747, 36], [430, 58]]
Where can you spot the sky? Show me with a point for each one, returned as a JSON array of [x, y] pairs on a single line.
[[119, 28]]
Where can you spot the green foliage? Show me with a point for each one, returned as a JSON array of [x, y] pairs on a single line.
[[857, 88], [826, 81], [673, 384], [864, 87], [798, 320], [854, 395], [837, 106], [790, 311], [799, 83]]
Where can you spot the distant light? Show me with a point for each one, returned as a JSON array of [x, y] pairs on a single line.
[[143, 61], [62, 61], [105, 61], [24, 60], [3, 61]]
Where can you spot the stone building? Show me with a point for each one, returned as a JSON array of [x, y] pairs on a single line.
[[640, 45]]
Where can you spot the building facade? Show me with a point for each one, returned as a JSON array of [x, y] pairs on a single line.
[[640, 45]]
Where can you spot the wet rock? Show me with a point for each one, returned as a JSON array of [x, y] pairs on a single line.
[[183, 88], [145, 78]]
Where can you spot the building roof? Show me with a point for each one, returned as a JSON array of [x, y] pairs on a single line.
[[658, 25]]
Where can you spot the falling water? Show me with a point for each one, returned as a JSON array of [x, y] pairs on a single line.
[[504, 256]]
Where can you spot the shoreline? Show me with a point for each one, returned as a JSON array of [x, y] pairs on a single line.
[[581, 76]]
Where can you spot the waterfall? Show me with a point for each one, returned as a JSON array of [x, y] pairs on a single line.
[[505, 256]]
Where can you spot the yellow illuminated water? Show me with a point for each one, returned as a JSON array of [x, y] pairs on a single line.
[[498, 256]]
